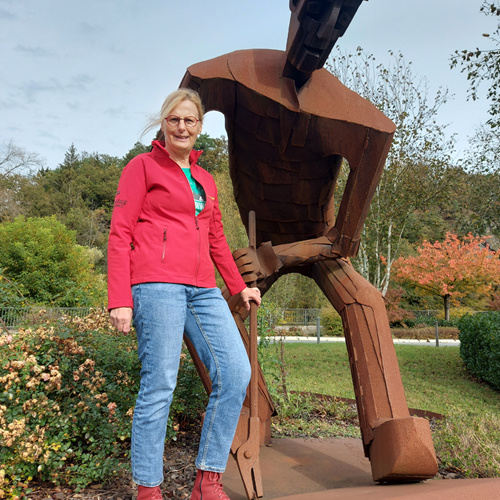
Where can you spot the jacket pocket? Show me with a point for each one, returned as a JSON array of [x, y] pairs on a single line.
[[164, 246]]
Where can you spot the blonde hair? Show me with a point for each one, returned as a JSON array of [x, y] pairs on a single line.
[[172, 100]]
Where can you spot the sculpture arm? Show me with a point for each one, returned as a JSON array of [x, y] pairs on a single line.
[[365, 173], [305, 252], [257, 265]]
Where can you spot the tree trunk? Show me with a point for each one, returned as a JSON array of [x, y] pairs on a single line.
[[447, 307], [384, 285]]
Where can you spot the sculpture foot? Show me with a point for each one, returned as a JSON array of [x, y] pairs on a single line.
[[402, 451]]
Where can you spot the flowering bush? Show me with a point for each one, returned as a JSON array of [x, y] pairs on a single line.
[[67, 403]]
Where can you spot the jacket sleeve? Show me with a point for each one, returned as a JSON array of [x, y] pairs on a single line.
[[129, 200], [221, 254]]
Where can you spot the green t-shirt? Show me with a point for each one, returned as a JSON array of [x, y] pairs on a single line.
[[198, 191]]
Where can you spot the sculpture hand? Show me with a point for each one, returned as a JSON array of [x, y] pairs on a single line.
[[256, 265]]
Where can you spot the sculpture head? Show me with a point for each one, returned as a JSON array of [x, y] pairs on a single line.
[[315, 26]]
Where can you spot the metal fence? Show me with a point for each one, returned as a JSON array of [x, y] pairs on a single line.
[[12, 317], [436, 314], [295, 317], [425, 313]]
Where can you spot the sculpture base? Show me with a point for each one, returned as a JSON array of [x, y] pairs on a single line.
[[402, 451]]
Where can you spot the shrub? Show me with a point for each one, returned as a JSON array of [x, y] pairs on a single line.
[[421, 321], [395, 314], [41, 254], [480, 345], [11, 293], [455, 314], [331, 322], [67, 403], [494, 303]]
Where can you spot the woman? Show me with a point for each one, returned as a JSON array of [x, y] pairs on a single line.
[[166, 234]]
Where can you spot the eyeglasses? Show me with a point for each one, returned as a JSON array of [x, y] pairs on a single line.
[[189, 121]]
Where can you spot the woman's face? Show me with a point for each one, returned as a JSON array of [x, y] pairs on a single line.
[[179, 139]]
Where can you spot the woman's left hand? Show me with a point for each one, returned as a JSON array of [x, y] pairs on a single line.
[[248, 294]]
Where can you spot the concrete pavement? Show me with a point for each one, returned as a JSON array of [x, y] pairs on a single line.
[[325, 469], [313, 340]]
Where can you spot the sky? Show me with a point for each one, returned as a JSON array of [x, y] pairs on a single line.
[[91, 73]]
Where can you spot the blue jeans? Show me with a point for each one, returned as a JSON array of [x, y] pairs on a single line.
[[162, 313]]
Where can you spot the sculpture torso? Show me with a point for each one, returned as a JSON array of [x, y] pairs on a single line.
[[285, 149]]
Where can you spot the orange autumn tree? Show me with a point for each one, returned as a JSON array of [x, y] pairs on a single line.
[[451, 269]]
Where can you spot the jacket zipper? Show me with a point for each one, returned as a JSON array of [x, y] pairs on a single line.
[[198, 250], [198, 237], [196, 223]]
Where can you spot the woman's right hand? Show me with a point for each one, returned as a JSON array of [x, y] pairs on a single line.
[[121, 318]]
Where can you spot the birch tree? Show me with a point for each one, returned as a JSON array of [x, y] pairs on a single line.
[[480, 196], [482, 65], [14, 163], [414, 175]]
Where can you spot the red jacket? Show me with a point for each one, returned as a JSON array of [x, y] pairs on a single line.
[[155, 235]]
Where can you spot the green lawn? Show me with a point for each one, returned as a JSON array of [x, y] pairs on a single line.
[[435, 379]]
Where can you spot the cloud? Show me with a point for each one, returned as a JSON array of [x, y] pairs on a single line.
[[91, 29], [47, 135], [5, 14], [33, 51], [117, 112], [80, 82], [73, 106], [34, 88], [11, 104]]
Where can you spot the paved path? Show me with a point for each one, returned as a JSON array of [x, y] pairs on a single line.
[[326, 469], [311, 340]]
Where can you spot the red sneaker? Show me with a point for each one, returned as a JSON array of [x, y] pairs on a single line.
[[207, 486], [146, 493]]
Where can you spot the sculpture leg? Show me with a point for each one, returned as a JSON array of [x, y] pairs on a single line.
[[399, 446]]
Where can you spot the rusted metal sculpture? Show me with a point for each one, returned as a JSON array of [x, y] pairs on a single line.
[[290, 124]]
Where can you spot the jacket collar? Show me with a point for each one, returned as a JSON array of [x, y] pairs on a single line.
[[159, 147]]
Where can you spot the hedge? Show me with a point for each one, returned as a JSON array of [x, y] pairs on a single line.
[[479, 336]]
